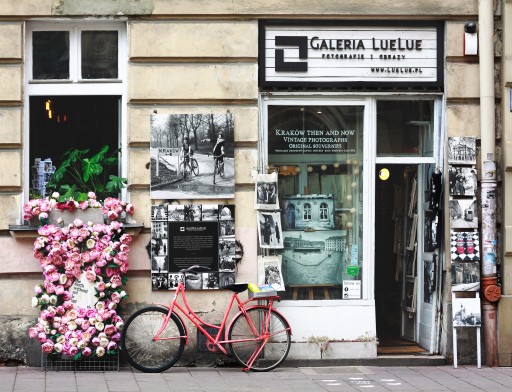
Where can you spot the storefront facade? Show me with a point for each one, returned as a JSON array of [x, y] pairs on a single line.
[[351, 105]]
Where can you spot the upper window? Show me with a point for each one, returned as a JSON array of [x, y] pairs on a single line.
[[74, 53]]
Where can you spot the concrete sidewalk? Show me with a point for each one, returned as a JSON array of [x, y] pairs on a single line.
[[284, 379]]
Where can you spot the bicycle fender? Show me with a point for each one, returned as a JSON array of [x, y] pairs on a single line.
[[228, 327], [179, 319]]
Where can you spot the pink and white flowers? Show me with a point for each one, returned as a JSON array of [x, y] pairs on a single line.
[[112, 207], [100, 252]]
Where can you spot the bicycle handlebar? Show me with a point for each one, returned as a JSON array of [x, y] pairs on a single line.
[[195, 269]]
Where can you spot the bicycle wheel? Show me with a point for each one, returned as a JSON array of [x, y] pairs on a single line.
[[221, 169], [185, 171], [195, 167], [276, 329], [137, 343], [214, 169]]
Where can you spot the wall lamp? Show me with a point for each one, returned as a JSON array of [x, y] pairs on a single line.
[[470, 39]]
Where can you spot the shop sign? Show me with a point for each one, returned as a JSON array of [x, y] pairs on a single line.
[[350, 53]]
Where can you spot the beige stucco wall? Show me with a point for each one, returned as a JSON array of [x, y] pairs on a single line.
[[192, 56]]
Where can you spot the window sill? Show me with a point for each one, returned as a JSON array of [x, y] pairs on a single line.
[[25, 231]]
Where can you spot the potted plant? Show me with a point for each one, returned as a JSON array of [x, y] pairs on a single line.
[[82, 172], [82, 182]]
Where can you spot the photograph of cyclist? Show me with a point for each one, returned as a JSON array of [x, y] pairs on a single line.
[[192, 156]]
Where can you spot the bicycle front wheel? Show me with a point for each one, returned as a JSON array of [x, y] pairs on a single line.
[[146, 354], [248, 335], [195, 167], [185, 171]]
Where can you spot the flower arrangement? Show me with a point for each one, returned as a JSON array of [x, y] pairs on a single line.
[[96, 252], [40, 208]]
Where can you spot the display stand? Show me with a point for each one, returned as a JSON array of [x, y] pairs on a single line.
[[478, 345]]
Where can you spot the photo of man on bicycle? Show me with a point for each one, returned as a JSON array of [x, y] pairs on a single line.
[[186, 151], [218, 154]]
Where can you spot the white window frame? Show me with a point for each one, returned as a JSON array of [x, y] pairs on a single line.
[[369, 162], [74, 86]]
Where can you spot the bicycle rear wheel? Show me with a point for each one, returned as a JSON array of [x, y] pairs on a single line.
[[137, 343], [271, 325]]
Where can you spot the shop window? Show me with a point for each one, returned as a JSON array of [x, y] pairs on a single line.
[[319, 153], [405, 128]]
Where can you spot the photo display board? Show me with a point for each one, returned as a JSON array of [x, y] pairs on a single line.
[[190, 234]]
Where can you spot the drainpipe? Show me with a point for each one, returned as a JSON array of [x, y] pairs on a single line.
[[490, 289]]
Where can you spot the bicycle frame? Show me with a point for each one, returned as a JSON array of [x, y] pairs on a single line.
[[199, 323]]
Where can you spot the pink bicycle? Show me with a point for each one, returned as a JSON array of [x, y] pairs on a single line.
[[257, 336]]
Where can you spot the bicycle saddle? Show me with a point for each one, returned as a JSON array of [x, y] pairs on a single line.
[[237, 287]]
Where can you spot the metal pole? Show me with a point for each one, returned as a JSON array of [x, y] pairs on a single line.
[[491, 291]]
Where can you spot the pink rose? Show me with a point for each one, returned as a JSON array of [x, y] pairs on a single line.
[[32, 332], [47, 346], [86, 351], [111, 345], [109, 329]]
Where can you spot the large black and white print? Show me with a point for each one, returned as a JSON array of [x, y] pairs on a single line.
[[192, 156], [462, 150], [270, 230], [266, 192], [466, 312]]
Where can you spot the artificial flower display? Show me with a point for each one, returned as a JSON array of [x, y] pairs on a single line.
[[96, 253]]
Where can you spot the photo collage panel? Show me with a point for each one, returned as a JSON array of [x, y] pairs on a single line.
[[183, 235]]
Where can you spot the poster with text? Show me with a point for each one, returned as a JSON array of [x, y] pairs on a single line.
[[201, 235], [186, 150]]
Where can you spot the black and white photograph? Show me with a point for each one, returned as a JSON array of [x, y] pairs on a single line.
[[227, 228], [270, 232], [464, 246], [192, 156], [210, 280], [270, 272], [462, 150], [209, 212], [159, 264], [463, 214], [193, 281], [159, 213], [174, 280], [466, 276], [462, 181], [314, 258], [410, 295], [176, 213], [227, 212], [466, 312], [309, 212], [226, 279], [160, 281], [429, 276], [266, 192]]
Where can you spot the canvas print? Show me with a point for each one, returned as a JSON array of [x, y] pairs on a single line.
[[466, 312], [463, 214], [462, 181], [266, 192], [270, 272], [192, 156], [465, 246], [465, 276], [309, 212], [462, 150], [270, 232], [315, 258]]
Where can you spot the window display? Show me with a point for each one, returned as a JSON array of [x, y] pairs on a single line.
[[317, 152]]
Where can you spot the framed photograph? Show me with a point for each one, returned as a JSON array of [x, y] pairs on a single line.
[[462, 150], [266, 192], [270, 272], [463, 214], [159, 213], [185, 150], [466, 312], [462, 181], [464, 246], [466, 276], [270, 232], [429, 276], [410, 295]]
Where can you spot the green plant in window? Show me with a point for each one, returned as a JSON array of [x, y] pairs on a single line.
[[82, 172]]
